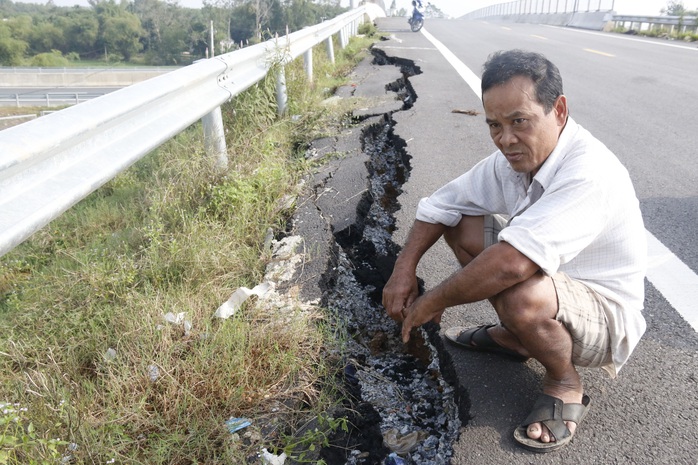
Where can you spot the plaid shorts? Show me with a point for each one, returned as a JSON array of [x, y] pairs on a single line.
[[581, 309], [583, 312], [493, 225]]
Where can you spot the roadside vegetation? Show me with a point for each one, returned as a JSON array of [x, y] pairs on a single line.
[[661, 33], [145, 32], [687, 29], [91, 368]]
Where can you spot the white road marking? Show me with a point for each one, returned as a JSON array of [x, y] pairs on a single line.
[[667, 273], [598, 52], [676, 281], [393, 47], [622, 37], [468, 76]]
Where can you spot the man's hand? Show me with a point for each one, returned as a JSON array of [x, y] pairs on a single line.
[[419, 313], [402, 302], [401, 290], [399, 293]]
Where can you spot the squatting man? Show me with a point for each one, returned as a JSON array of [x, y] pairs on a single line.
[[548, 229]]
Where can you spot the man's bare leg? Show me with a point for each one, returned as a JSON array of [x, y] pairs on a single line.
[[527, 312], [466, 239]]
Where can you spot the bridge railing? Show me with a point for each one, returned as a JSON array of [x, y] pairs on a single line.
[[589, 14], [536, 7], [672, 23], [49, 164], [47, 99]]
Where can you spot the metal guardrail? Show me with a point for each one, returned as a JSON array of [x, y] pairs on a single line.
[[680, 23], [47, 99], [666, 20], [22, 70], [49, 164]]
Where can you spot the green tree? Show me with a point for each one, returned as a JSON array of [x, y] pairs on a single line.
[[262, 12], [122, 34], [119, 30], [156, 17], [674, 8], [169, 30], [52, 59], [105, 9], [242, 24], [164, 31], [224, 14], [80, 30], [173, 42], [20, 27], [45, 37], [198, 37], [301, 13], [11, 50]]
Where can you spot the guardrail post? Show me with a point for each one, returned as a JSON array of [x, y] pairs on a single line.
[[343, 38], [308, 61], [330, 49], [214, 138], [281, 94]]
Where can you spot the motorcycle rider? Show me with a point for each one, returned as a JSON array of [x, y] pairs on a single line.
[[416, 10]]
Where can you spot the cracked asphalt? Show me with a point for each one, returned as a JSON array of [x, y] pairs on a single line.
[[646, 416]]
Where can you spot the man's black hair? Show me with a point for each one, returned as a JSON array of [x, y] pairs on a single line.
[[501, 66]]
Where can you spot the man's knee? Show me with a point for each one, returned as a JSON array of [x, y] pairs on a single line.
[[466, 239], [527, 303]]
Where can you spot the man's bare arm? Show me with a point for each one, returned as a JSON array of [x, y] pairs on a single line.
[[497, 268], [401, 289]]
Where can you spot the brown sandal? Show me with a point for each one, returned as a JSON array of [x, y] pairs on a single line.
[[478, 339], [553, 413]]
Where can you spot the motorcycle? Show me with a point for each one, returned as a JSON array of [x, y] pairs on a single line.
[[416, 21]]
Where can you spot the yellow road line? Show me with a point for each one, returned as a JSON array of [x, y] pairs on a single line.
[[539, 37], [506, 28], [598, 53]]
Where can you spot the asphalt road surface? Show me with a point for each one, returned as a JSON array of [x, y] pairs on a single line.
[[638, 97]]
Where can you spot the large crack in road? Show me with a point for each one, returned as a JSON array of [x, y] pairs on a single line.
[[404, 407]]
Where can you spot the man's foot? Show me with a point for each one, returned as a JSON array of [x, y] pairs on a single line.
[[540, 431], [553, 420]]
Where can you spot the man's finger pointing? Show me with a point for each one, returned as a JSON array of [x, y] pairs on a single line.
[[406, 329]]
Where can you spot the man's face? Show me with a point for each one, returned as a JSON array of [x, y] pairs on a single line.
[[519, 126]]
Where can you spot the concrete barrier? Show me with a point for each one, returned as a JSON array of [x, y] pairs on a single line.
[[553, 19], [86, 78], [595, 20]]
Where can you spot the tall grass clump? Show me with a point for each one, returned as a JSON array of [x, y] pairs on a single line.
[[109, 352]]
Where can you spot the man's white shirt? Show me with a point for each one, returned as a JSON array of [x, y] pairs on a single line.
[[578, 215]]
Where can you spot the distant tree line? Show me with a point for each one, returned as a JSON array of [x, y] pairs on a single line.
[[676, 8], [153, 32]]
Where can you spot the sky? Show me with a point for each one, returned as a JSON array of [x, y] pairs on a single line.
[[458, 8]]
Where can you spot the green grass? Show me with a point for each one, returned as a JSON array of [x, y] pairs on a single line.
[[90, 370], [661, 32]]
